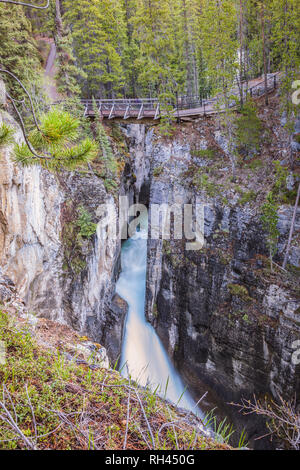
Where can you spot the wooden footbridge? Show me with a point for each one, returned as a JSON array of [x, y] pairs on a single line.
[[185, 108]]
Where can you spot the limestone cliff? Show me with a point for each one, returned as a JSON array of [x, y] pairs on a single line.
[[226, 320], [228, 323], [37, 209]]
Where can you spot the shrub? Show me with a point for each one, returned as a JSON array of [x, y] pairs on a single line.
[[158, 171], [204, 153], [239, 291], [6, 135], [248, 128], [202, 182], [247, 197], [84, 222]]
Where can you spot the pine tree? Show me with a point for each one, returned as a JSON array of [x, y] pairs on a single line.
[[190, 30], [18, 52], [68, 74], [131, 52], [153, 30], [219, 42], [55, 144], [99, 34], [285, 39], [220, 47]]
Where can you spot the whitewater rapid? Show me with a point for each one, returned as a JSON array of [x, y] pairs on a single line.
[[143, 355]]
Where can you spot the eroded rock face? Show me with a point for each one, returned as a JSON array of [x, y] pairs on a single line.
[[225, 320], [30, 227], [36, 209]]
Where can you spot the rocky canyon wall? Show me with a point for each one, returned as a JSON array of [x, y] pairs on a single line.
[[57, 276], [228, 322]]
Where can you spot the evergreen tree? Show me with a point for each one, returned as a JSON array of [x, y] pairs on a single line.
[[220, 48], [18, 52], [285, 39], [68, 74], [190, 30], [55, 144], [131, 52], [99, 33], [219, 42], [154, 31]]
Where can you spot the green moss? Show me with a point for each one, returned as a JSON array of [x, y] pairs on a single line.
[[46, 395], [158, 171], [239, 291], [204, 153], [203, 183], [84, 222], [246, 318], [255, 164], [110, 185], [247, 197]]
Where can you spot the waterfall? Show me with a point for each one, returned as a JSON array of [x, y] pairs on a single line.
[[143, 355]]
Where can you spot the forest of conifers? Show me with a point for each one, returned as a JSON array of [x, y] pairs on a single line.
[[153, 48]]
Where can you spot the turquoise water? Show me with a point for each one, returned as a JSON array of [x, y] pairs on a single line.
[[143, 355]]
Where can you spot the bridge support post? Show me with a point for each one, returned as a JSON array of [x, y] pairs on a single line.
[[111, 114], [100, 111], [177, 106], [141, 112], [127, 112]]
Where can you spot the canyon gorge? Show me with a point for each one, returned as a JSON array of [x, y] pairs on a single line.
[[227, 322]]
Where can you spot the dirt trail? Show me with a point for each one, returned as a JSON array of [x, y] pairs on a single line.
[[49, 75], [49, 70]]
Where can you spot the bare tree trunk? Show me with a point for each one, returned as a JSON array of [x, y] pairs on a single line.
[[58, 19], [241, 38], [263, 33], [190, 56], [292, 229]]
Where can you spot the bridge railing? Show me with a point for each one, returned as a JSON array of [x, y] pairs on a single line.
[[151, 107], [121, 104]]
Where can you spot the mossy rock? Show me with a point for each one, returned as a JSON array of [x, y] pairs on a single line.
[[158, 171], [239, 291]]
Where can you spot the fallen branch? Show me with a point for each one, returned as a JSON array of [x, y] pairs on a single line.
[[30, 5]]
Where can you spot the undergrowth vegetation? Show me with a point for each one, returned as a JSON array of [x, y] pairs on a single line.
[[49, 402]]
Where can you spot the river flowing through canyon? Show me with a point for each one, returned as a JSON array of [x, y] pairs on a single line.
[[143, 355]]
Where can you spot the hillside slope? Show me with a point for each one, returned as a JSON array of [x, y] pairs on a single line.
[[58, 392]]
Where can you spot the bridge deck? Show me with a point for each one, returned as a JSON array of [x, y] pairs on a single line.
[[184, 108]]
